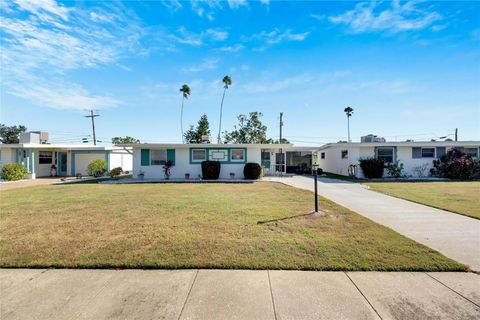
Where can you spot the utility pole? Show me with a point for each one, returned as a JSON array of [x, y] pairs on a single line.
[[93, 116], [456, 134], [281, 125]]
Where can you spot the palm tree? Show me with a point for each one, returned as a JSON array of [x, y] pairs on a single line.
[[227, 81], [185, 90], [349, 112]]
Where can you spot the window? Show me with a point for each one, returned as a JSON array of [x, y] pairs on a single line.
[[386, 154], [238, 155], [45, 157], [322, 155], [472, 152], [428, 152], [344, 154], [158, 157], [199, 155]]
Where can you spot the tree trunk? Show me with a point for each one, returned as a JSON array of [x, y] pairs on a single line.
[[181, 118], [221, 111]]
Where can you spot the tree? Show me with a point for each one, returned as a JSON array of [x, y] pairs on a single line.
[[185, 90], [127, 139], [9, 134], [277, 141], [227, 81], [348, 111], [250, 130], [194, 135]]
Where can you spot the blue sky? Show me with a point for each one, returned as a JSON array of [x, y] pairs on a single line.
[[410, 69]]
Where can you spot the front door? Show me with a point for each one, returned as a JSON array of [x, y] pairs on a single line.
[[62, 164], [280, 162]]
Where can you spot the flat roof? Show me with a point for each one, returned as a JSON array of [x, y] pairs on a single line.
[[58, 146], [204, 145], [404, 144]]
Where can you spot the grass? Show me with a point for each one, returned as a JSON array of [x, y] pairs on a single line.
[[458, 197], [341, 177], [196, 226]]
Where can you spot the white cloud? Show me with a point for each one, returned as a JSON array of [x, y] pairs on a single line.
[[197, 39], [234, 48], [268, 86], [318, 16], [265, 2], [276, 36], [42, 41], [206, 64], [206, 8], [172, 5], [234, 4], [368, 17]]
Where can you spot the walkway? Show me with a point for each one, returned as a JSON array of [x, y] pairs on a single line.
[[236, 294], [454, 235]]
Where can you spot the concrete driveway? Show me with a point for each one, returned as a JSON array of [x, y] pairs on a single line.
[[454, 235], [236, 294]]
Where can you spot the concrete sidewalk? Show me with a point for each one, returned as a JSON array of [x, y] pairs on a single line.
[[236, 294], [454, 235]]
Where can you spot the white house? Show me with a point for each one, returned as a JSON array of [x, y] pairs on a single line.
[[417, 157], [39, 157], [149, 158]]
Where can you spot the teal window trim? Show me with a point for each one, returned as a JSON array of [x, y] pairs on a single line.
[[229, 155], [197, 161]]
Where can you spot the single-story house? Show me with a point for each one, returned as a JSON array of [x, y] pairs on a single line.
[[149, 158], [417, 157], [42, 159]]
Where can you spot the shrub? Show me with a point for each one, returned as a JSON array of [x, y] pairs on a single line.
[[97, 168], [252, 171], [372, 168], [13, 171], [210, 170], [115, 172], [456, 165], [319, 171], [395, 170]]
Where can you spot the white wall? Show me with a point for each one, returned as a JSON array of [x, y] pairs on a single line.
[[182, 166], [82, 160], [334, 163], [121, 159], [7, 155]]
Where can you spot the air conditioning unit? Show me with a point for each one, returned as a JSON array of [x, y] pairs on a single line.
[[206, 139], [36, 137], [372, 138]]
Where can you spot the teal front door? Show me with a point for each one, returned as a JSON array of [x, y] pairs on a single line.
[[62, 164]]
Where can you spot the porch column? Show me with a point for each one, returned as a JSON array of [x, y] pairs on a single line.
[[32, 163], [107, 160]]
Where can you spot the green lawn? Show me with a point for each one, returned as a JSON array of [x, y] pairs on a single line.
[[196, 226], [458, 197]]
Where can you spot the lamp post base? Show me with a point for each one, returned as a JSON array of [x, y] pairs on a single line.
[[314, 213]]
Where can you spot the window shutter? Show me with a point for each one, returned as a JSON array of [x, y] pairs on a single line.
[[441, 151], [416, 153], [171, 156], [145, 157]]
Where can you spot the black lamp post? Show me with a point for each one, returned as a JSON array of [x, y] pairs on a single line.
[[315, 176]]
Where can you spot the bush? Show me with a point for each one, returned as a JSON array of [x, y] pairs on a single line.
[[13, 171], [372, 168], [97, 168], [456, 165], [115, 172], [210, 170], [395, 170], [319, 171], [252, 171]]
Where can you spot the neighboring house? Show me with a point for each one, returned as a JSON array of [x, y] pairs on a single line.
[[417, 157], [38, 157], [149, 158]]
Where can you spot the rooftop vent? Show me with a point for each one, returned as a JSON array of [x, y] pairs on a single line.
[[206, 139]]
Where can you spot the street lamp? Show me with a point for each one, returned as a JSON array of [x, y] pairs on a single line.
[[315, 176]]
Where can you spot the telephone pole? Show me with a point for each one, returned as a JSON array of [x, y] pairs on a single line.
[[456, 134], [281, 125], [93, 116]]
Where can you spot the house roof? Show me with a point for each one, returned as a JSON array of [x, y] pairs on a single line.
[[404, 144], [57, 146], [203, 145]]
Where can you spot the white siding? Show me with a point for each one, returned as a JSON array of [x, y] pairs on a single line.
[[182, 166], [121, 159], [82, 160]]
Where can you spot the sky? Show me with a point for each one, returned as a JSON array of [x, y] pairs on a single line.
[[409, 69]]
